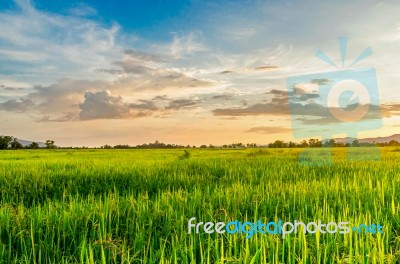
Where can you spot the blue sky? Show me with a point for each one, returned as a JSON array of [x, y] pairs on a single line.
[[186, 72], [140, 17]]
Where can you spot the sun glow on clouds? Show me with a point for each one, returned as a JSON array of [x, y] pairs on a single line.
[[209, 83]]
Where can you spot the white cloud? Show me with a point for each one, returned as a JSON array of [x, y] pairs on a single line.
[[48, 46]]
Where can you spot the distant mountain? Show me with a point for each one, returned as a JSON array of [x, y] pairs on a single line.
[[381, 139], [368, 140], [27, 142]]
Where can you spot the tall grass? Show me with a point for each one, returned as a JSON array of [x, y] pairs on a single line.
[[132, 206]]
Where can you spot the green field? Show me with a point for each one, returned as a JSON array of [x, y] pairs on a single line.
[[132, 206]]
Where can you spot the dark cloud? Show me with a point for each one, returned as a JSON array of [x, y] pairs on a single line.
[[257, 109], [133, 67], [144, 105], [142, 56], [323, 81], [277, 92], [161, 98], [110, 71], [223, 96], [226, 72], [62, 97], [181, 103], [298, 94], [266, 68], [51, 103], [8, 88], [317, 112], [103, 105], [303, 107], [321, 116], [144, 73], [250, 70], [71, 116], [19, 106], [71, 100], [56, 102], [389, 110], [269, 130]]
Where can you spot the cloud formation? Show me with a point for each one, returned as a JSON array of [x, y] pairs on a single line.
[[145, 71], [49, 46], [103, 105], [43, 47], [304, 108], [181, 103]]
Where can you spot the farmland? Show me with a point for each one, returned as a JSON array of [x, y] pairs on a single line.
[[132, 206]]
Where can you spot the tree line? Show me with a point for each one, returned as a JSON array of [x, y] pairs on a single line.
[[316, 143], [313, 143], [160, 145], [10, 142]]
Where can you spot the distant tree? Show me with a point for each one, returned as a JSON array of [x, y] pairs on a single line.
[[203, 146], [329, 143], [122, 146], [5, 142], [239, 145], [50, 144], [314, 143], [303, 144], [278, 144], [33, 145], [15, 144], [355, 143]]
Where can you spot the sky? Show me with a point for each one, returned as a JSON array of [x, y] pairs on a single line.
[[89, 73]]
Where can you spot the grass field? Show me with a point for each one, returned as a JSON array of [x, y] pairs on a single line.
[[132, 206]]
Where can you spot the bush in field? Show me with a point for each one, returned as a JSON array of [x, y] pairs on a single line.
[[186, 154]]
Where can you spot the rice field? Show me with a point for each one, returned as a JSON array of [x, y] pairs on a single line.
[[133, 206]]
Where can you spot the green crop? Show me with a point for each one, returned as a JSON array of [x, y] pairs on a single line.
[[132, 206]]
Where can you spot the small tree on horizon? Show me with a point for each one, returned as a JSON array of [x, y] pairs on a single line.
[[15, 144], [50, 144], [33, 145], [5, 141]]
